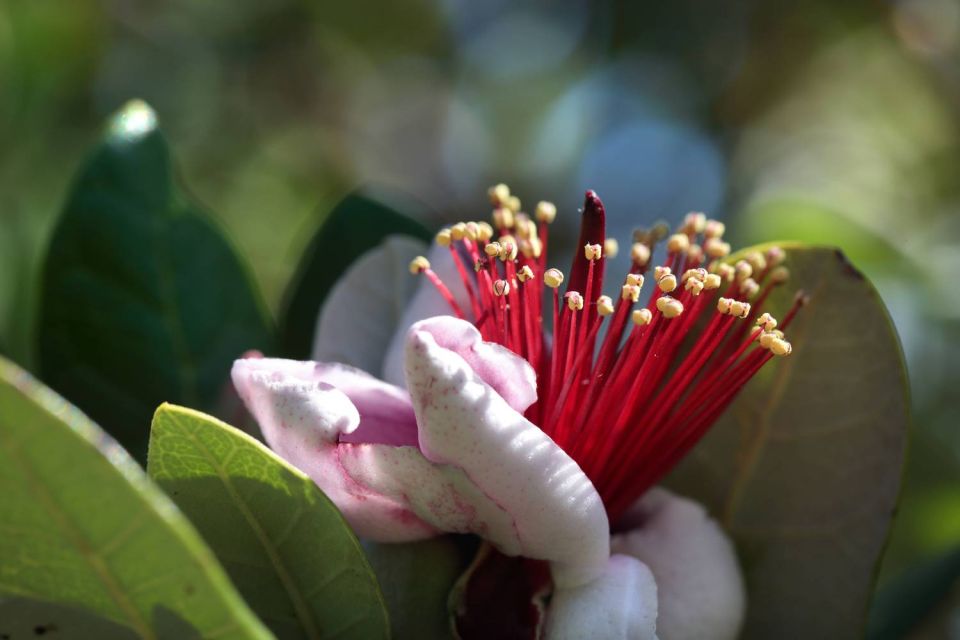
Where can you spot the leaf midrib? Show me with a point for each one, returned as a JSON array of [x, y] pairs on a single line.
[[301, 608]]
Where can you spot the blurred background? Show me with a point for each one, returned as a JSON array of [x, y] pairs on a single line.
[[817, 120]]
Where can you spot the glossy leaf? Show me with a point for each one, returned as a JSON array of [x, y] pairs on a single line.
[[284, 544], [357, 224], [143, 300], [804, 469], [82, 525]]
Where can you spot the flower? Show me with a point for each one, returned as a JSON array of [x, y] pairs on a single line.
[[536, 444]]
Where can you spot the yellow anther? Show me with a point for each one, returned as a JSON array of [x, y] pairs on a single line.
[[499, 194], [444, 238], [641, 317], [635, 279], [775, 256], [724, 305], [513, 203], [472, 230], [574, 300], [767, 321], [779, 275], [492, 249], [670, 307], [592, 251], [419, 265], [714, 229], [553, 278], [716, 248], [531, 248], [725, 271], [749, 288], [484, 231], [525, 273], [780, 347], [611, 248], [711, 281], [699, 274], [660, 271], [458, 231], [604, 305], [508, 248], [678, 243], [756, 260], [694, 286], [630, 292], [640, 254], [501, 288], [742, 270], [695, 253], [694, 222], [739, 309], [667, 282], [546, 212], [503, 218], [766, 338]]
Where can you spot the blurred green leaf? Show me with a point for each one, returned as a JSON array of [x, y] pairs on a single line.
[[907, 600], [284, 544], [82, 525], [416, 579], [804, 469], [357, 224], [143, 299]]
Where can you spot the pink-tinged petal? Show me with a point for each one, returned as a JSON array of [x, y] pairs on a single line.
[[619, 605], [556, 512], [302, 420], [362, 311], [426, 302], [386, 413], [698, 577]]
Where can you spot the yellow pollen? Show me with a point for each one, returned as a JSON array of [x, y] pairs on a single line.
[[767, 321], [513, 203], [472, 230], [695, 253], [419, 265], [714, 229], [503, 218], [641, 317], [716, 248], [508, 248], [739, 309], [724, 305], [694, 222], [659, 272], [592, 252], [611, 247], [711, 281], [678, 242], [604, 305], [484, 231], [667, 282], [499, 194], [525, 273], [630, 292], [458, 231], [574, 301], [640, 254], [531, 248], [780, 347], [670, 307], [553, 278], [694, 286], [699, 274], [444, 238], [742, 270], [546, 212], [635, 279], [501, 288], [725, 271], [492, 249], [756, 260]]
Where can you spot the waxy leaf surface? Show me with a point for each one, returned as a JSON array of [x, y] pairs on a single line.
[[284, 544], [82, 525], [804, 468]]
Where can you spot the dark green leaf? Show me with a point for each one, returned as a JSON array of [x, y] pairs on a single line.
[[804, 468], [82, 525], [143, 300], [356, 225], [284, 544]]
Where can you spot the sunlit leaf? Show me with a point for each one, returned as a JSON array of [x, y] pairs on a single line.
[[143, 300], [358, 223], [82, 525], [284, 544], [804, 468]]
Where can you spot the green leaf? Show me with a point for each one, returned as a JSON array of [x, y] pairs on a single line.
[[143, 299], [82, 525], [284, 544], [357, 224], [803, 470]]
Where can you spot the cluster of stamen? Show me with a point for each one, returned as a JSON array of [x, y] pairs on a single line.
[[627, 404]]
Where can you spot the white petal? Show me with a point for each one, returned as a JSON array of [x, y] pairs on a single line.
[[698, 577], [361, 313], [302, 420], [557, 514], [425, 303], [619, 605]]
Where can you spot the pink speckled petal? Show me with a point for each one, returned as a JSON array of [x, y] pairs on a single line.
[[698, 577], [619, 605], [425, 303], [365, 306], [556, 512], [302, 420]]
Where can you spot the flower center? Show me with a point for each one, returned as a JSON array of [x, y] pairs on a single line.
[[625, 389]]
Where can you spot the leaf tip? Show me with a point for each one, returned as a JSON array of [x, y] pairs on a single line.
[[133, 121]]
